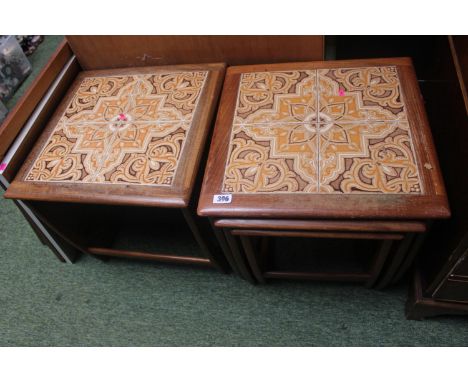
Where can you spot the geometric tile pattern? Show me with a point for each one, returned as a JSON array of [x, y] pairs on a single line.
[[321, 131], [127, 129]]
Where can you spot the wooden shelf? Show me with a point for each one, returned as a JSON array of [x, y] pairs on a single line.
[[169, 258], [319, 276]]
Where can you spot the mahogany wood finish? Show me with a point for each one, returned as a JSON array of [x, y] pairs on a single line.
[[399, 256], [433, 204], [189, 217], [319, 276], [379, 261], [107, 52], [392, 249], [251, 257], [261, 274], [39, 234], [413, 251], [150, 256], [104, 52], [239, 257], [323, 225], [64, 222], [392, 218], [336, 235], [65, 208], [177, 195], [221, 238]]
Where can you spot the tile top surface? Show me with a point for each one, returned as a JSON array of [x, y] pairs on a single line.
[[127, 129], [321, 131]]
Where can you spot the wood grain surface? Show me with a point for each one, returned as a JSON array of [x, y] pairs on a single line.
[[430, 203], [175, 195]]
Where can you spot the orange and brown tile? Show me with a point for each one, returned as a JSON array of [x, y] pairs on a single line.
[[272, 158], [126, 129], [367, 157], [359, 94], [277, 97], [321, 131]]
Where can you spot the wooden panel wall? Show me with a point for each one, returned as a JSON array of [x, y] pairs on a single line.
[[100, 52]]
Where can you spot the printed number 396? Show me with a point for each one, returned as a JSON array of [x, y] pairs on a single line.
[[223, 198]]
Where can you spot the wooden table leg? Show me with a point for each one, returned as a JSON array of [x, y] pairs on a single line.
[[63, 251], [252, 258], [69, 244], [225, 247], [238, 256], [411, 255], [379, 261], [218, 261], [396, 259]]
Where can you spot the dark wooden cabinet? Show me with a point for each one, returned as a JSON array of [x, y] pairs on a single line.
[[440, 282]]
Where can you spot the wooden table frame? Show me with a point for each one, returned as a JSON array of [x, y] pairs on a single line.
[[37, 196], [77, 53], [398, 219], [432, 204], [22, 126], [79, 239], [396, 238]]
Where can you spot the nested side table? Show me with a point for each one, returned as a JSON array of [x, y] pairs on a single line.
[[122, 153], [334, 149]]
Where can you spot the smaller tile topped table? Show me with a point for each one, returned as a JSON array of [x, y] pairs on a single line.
[[344, 144], [124, 137], [130, 136]]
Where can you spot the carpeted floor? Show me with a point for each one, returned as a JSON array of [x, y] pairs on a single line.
[[121, 303]]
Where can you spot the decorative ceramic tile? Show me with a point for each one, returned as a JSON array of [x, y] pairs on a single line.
[[122, 129], [367, 157], [277, 97], [326, 131], [272, 158], [359, 94]]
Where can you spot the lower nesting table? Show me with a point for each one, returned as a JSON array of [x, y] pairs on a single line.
[[116, 165], [336, 150]]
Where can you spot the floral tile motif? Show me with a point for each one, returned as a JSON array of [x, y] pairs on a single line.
[[321, 131], [122, 130], [367, 157], [359, 94], [272, 158], [277, 97]]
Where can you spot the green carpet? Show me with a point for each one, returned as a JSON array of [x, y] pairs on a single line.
[[122, 303]]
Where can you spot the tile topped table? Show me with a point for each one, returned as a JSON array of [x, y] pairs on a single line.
[[339, 140], [130, 137]]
